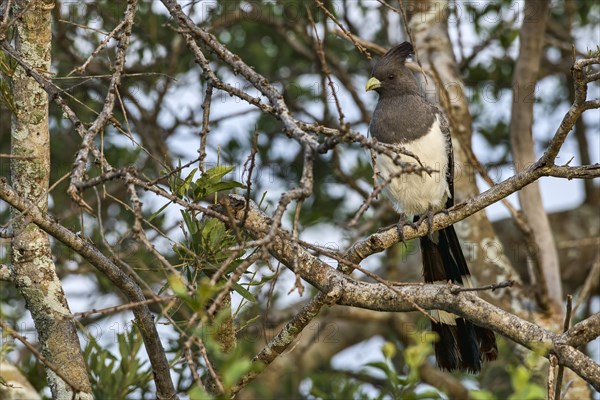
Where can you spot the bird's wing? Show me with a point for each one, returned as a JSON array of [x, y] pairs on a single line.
[[445, 128]]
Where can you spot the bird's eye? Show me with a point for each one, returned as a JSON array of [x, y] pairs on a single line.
[[391, 76]]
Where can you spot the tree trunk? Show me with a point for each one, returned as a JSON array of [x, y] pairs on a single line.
[[524, 83], [34, 272]]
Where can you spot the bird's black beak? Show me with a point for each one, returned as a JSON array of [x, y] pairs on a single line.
[[372, 84]]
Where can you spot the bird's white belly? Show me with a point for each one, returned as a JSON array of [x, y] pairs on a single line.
[[413, 193]]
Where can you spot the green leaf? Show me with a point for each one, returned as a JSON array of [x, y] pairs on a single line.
[[113, 377], [427, 394], [481, 395], [218, 172], [416, 354], [178, 286], [389, 350], [211, 182], [263, 279], [189, 222], [245, 293], [160, 210], [198, 393], [221, 186], [380, 365], [206, 291], [235, 371], [184, 187], [529, 392]]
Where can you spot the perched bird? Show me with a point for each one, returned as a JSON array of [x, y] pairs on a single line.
[[405, 118]]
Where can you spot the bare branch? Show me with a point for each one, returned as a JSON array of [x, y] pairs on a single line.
[[561, 369], [376, 296], [101, 46], [590, 282], [47, 363], [260, 82], [350, 36], [582, 332], [205, 122], [127, 285], [580, 172], [109, 102]]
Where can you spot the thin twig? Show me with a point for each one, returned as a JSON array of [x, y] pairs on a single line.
[[105, 116], [380, 183], [47, 363], [402, 13], [322, 60], [298, 282], [359, 46], [494, 286], [100, 47], [192, 366], [249, 166], [119, 278], [561, 368], [553, 363], [7, 24], [213, 374], [591, 281], [17, 157], [140, 234], [122, 307], [517, 216], [205, 124]]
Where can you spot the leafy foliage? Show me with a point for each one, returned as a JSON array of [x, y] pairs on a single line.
[[7, 68], [118, 376]]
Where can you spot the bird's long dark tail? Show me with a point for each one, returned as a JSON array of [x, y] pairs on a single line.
[[461, 345]]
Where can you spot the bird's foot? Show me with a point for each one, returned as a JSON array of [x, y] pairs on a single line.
[[428, 218], [403, 220], [385, 228], [444, 211], [400, 226]]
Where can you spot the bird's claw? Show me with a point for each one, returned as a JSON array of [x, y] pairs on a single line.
[[400, 230], [428, 218], [400, 226], [386, 228]]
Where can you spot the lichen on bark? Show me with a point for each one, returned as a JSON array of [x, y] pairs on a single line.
[[33, 270]]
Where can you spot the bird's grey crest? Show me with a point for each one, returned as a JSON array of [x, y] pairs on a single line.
[[399, 53], [393, 63]]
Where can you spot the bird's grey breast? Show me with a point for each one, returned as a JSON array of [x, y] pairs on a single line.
[[401, 119]]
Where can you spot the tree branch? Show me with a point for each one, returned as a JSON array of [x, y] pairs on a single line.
[[105, 115], [380, 297], [579, 172], [130, 289], [582, 332]]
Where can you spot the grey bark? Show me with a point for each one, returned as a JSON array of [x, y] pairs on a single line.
[[524, 83], [34, 273], [386, 297]]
